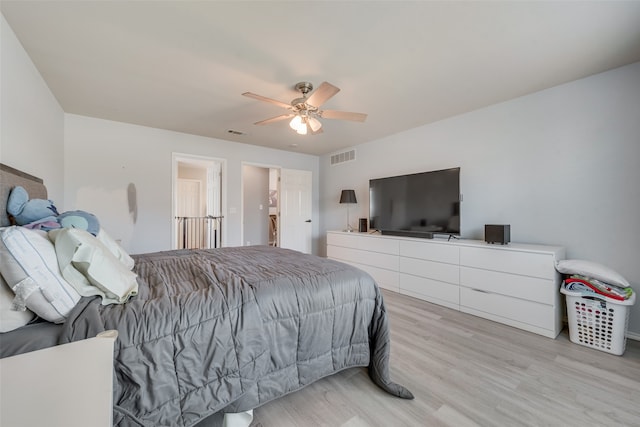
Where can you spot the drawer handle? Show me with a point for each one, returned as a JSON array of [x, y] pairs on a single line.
[[480, 290]]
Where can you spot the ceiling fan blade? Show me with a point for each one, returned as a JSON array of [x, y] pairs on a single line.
[[343, 115], [322, 94], [274, 119], [265, 99]]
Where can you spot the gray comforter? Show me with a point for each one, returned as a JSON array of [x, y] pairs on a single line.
[[230, 329]]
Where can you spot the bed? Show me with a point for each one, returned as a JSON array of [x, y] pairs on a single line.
[[222, 330]]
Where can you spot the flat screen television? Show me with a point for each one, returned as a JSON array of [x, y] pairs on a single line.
[[416, 205]]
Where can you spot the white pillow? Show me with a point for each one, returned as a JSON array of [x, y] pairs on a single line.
[[593, 270], [10, 318], [115, 248], [91, 268], [29, 265]]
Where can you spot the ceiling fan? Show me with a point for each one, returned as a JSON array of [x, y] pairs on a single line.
[[305, 112]]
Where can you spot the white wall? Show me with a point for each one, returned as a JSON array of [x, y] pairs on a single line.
[[562, 166], [102, 157], [31, 120]]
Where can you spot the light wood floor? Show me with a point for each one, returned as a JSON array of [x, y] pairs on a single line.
[[467, 371]]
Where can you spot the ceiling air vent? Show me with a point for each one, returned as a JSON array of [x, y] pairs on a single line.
[[347, 156]]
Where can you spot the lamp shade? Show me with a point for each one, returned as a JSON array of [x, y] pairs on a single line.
[[348, 196], [295, 123], [314, 124]]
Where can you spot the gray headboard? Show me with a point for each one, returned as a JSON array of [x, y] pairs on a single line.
[[9, 178]]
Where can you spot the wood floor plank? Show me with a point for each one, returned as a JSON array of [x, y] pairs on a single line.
[[467, 371]]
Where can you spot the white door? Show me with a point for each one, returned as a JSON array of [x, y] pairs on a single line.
[[188, 198], [295, 210]]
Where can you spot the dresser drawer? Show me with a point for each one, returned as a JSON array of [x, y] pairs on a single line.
[[430, 290], [376, 244], [524, 287], [437, 252], [375, 259], [386, 279], [344, 240], [432, 270], [364, 242], [494, 305], [509, 261]]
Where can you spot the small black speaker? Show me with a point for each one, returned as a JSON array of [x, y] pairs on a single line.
[[362, 225], [497, 233]]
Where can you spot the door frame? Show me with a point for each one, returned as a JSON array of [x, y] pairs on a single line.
[[200, 161]]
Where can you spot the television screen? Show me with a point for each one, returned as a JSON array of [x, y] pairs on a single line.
[[419, 205]]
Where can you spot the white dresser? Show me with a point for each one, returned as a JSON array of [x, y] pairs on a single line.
[[515, 284]]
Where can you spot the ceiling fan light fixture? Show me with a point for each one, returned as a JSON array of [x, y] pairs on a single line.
[[296, 123], [299, 124], [302, 129], [305, 112], [314, 124]]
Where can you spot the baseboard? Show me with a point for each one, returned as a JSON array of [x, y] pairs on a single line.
[[633, 336]]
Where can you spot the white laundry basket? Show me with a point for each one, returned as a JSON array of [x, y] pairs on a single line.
[[597, 321]]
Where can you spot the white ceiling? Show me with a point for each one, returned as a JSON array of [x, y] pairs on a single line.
[[183, 65]]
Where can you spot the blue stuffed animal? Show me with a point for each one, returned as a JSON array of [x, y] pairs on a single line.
[[25, 211], [41, 213], [79, 219]]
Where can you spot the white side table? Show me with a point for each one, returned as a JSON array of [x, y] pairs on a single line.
[[67, 385]]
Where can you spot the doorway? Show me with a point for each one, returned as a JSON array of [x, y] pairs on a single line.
[[197, 202], [276, 207], [260, 213]]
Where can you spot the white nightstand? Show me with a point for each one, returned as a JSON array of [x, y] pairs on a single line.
[[67, 385]]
